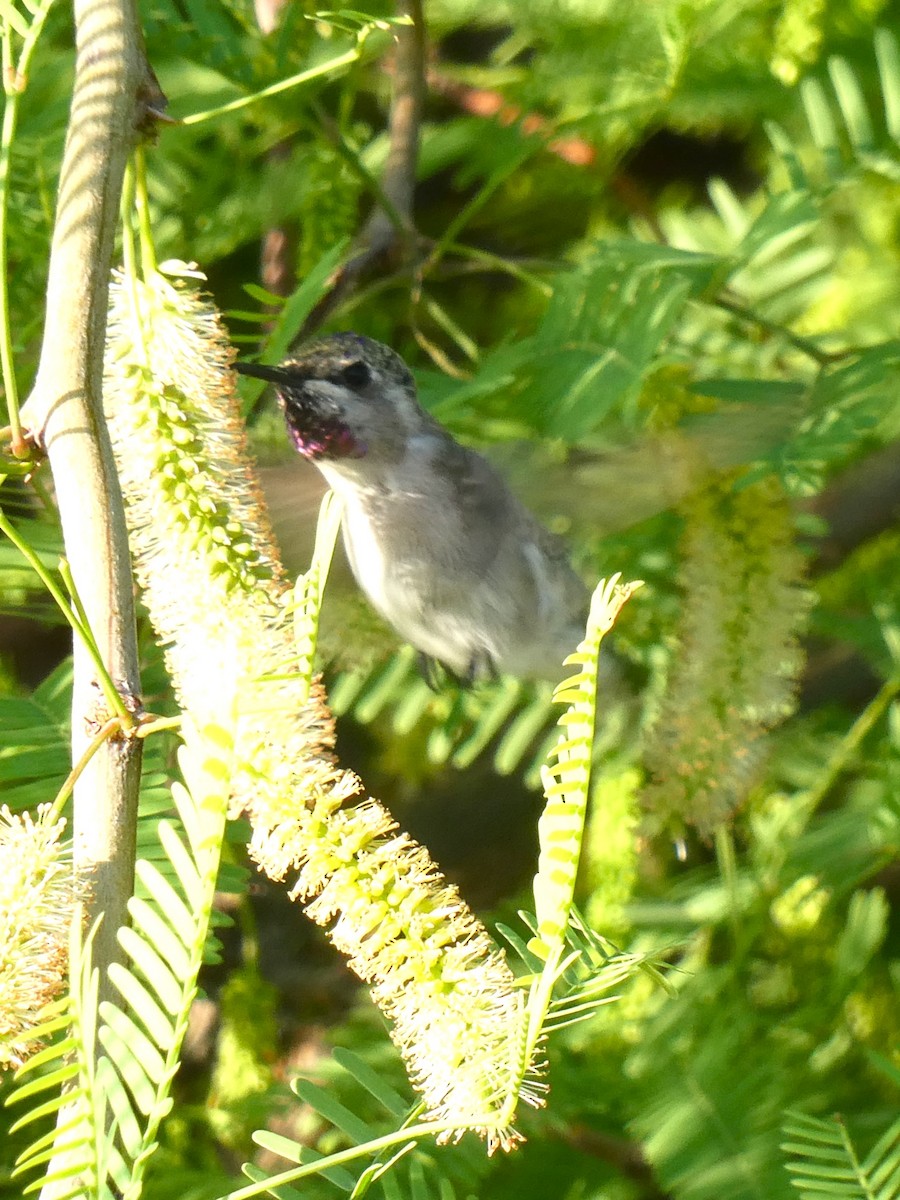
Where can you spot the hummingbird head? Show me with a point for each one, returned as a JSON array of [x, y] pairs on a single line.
[[344, 397]]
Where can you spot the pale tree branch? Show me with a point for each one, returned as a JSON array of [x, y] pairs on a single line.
[[115, 95]]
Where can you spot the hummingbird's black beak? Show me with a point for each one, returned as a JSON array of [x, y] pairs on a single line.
[[277, 375]]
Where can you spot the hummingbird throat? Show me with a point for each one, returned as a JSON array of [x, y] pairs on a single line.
[[317, 436]]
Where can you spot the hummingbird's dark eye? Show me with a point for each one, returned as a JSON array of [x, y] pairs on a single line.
[[356, 374]]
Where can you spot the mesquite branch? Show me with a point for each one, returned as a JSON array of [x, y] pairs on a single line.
[[114, 97]]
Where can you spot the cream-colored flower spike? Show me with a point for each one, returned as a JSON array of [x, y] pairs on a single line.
[[213, 585], [37, 893]]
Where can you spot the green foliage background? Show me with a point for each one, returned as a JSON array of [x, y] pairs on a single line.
[[684, 342]]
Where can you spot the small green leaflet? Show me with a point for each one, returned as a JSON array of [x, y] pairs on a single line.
[[308, 589], [566, 782]]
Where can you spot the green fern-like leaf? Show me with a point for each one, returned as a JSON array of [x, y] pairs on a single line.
[[115, 1100], [399, 1163], [823, 1161], [72, 1150], [34, 735], [845, 405], [18, 582], [309, 587], [603, 326], [508, 718], [847, 135], [566, 782]]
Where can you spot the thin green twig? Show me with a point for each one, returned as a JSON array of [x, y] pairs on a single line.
[[72, 613], [40, 490], [727, 860], [843, 754], [142, 203], [507, 266], [426, 1129], [6, 55], [283, 85], [129, 255], [150, 725], [805, 345], [106, 731], [38, 567], [110, 728], [353, 159], [478, 201], [110, 690]]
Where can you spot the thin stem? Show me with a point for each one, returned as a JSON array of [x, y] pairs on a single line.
[[129, 255], [42, 493], [275, 89], [75, 616], [727, 859], [106, 731], [150, 725], [351, 157], [444, 321], [142, 201], [130, 260], [485, 257], [30, 41], [41, 571], [804, 345], [843, 753], [445, 270], [468, 211], [426, 1129], [109, 688]]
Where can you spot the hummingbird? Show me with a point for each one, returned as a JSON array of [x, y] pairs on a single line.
[[436, 540]]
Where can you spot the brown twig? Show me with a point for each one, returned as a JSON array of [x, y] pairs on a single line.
[[390, 223], [859, 504], [405, 118], [277, 251], [731, 304]]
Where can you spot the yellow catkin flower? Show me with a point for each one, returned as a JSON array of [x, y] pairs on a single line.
[[37, 894], [434, 971], [738, 656], [214, 589], [203, 550]]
